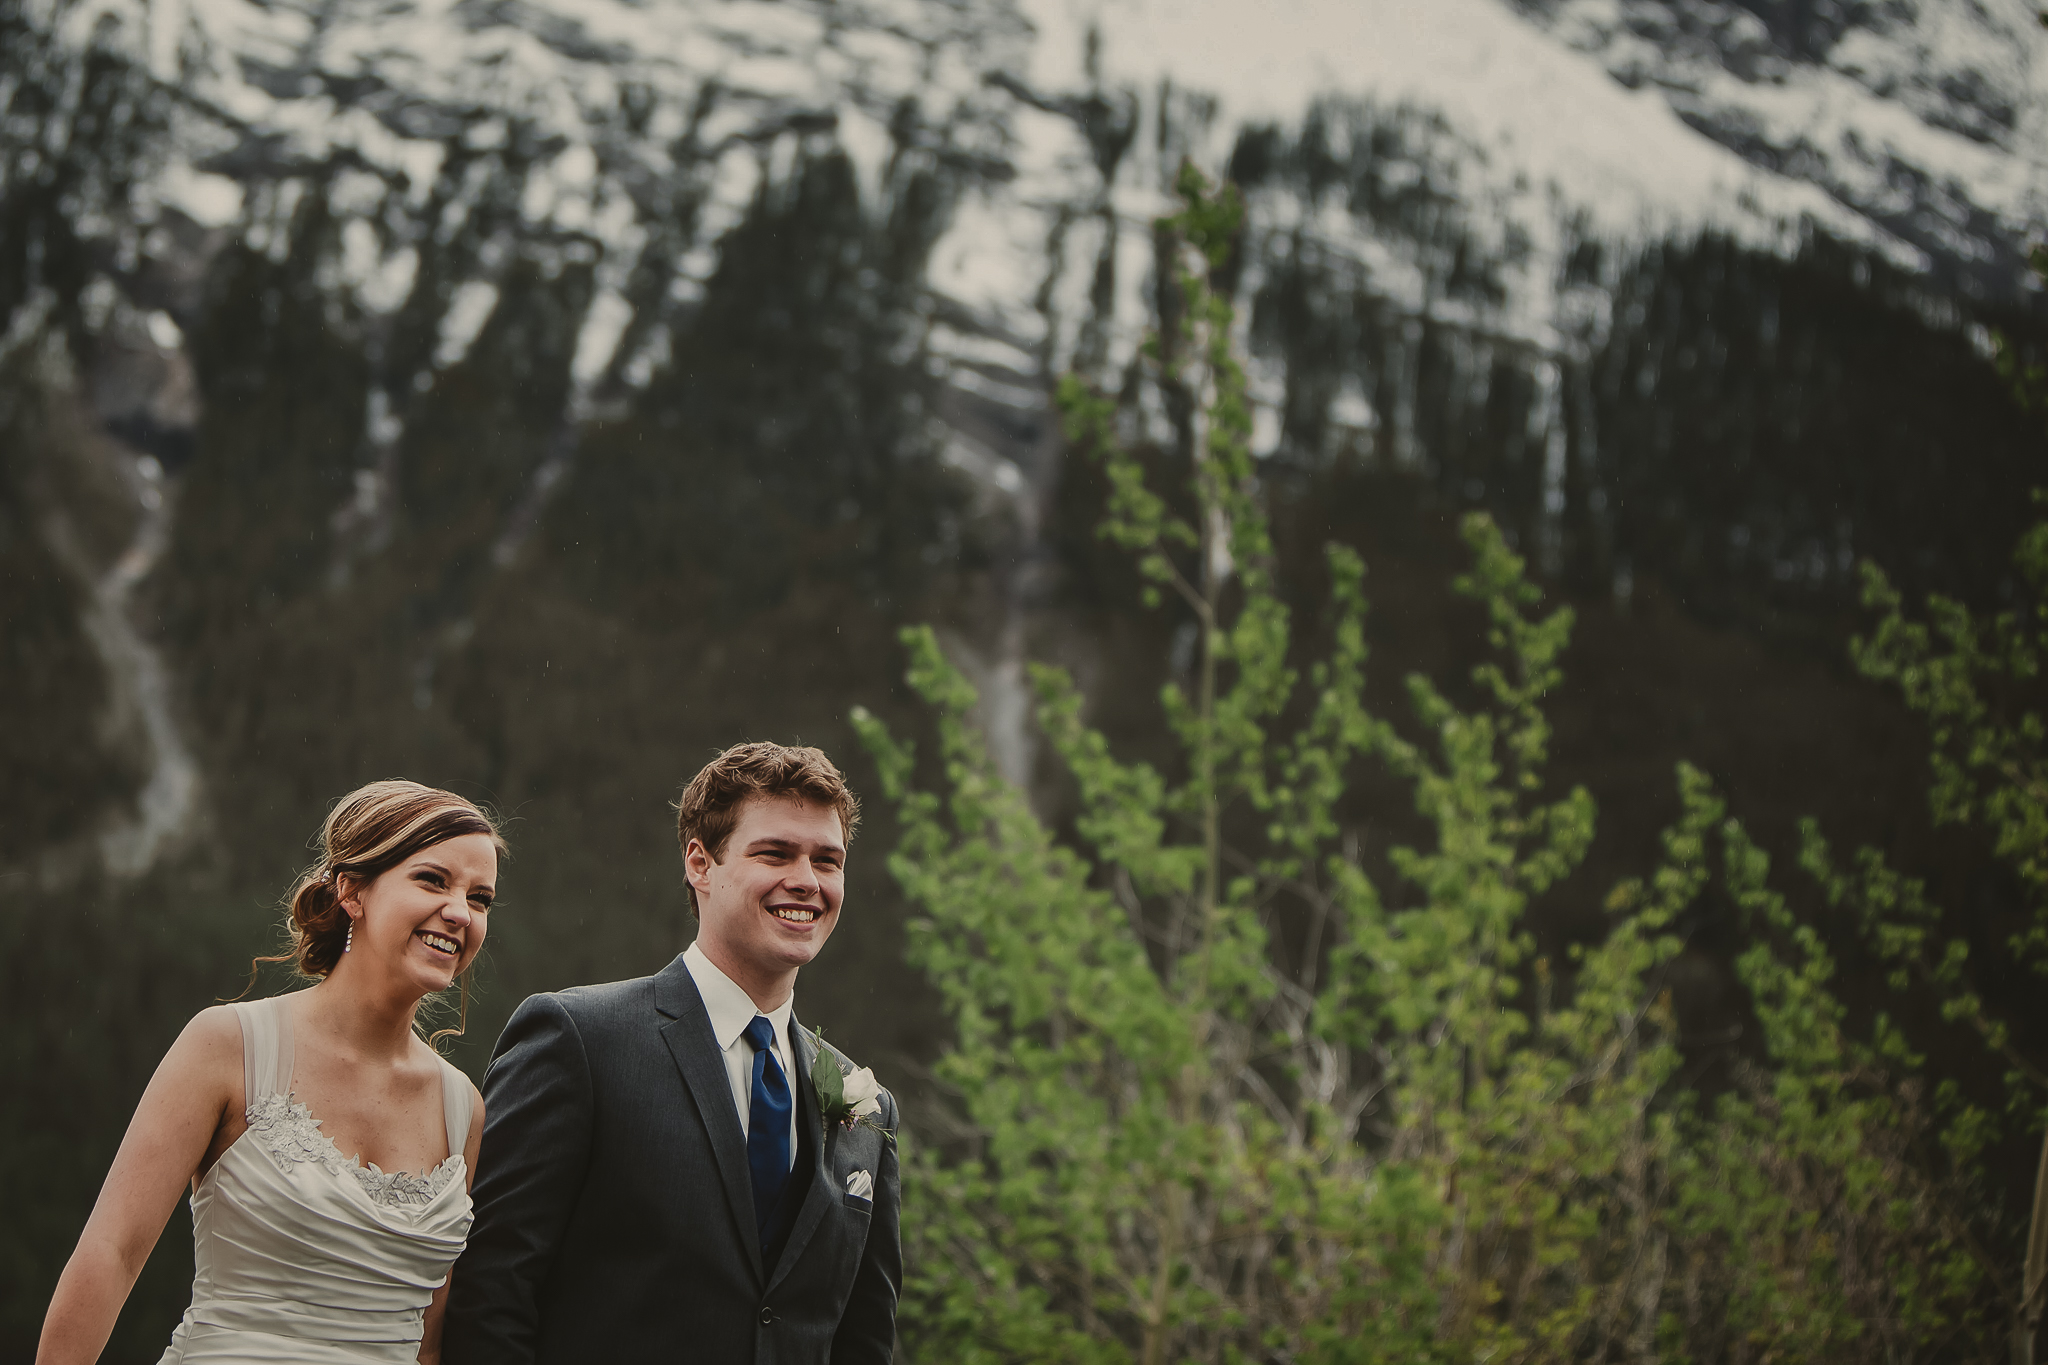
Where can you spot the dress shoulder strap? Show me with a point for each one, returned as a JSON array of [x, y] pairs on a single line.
[[458, 1104], [266, 1046]]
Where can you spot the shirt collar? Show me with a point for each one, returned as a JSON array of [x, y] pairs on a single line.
[[731, 1008]]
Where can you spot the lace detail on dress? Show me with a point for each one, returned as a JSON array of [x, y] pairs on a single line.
[[290, 1133], [401, 1189]]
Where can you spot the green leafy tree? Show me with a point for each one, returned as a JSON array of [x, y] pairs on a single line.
[[1223, 1092], [1976, 681]]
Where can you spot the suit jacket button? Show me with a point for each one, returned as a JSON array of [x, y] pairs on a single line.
[[767, 1315]]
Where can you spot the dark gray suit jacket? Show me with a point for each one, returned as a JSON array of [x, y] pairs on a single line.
[[615, 1215]]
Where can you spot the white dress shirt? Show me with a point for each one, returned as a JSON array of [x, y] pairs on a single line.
[[731, 1010]]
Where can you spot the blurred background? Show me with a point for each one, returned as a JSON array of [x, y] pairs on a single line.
[[531, 397]]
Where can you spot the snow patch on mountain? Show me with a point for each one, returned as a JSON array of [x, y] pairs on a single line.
[[1928, 118], [602, 100], [1539, 110], [1543, 144]]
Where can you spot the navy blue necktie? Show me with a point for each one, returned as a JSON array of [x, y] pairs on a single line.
[[767, 1127]]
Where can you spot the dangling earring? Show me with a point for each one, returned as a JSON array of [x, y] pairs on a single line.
[[349, 941]]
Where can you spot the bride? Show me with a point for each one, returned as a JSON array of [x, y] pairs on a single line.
[[327, 1146]]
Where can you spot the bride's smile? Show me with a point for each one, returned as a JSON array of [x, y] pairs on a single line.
[[427, 917]]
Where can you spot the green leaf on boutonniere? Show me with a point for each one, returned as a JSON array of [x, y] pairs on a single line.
[[829, 1080]]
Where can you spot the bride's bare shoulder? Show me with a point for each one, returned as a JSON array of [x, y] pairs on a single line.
[[211, 1042], [201, 1074]]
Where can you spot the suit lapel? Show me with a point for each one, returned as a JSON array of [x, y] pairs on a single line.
[[818, 1191], [687, 1032]]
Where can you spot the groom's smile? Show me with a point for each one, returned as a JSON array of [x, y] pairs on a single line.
[[770, 897]]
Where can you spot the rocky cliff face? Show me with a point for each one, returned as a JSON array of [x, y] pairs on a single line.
[[530, 397], [1465, 184]]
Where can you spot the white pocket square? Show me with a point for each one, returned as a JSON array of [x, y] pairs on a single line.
[[861, 1185]]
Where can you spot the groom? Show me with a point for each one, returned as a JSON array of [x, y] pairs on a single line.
[[659, 1177]]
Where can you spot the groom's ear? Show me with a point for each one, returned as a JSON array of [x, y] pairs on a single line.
[[698, 860], [697, 864]]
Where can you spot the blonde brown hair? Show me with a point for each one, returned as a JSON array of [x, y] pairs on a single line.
[[371, 830], [709, 810]]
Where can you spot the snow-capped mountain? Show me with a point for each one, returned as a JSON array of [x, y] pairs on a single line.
[[1915, 128], [1449, 208], [608, 126]]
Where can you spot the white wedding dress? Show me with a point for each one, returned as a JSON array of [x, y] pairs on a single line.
[[302, 1254]]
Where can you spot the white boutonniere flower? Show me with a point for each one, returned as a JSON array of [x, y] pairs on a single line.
[[847, 1097], [862, 1092]]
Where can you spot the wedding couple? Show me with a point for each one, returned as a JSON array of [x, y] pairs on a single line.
[[664, 1168]]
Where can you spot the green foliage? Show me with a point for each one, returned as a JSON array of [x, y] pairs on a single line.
[[1812, 1171], [1225, 1091], [1976, 681]]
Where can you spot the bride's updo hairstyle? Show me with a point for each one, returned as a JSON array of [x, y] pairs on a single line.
[[369, 831]]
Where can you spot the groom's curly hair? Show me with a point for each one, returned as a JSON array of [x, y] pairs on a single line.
[[709, 809]]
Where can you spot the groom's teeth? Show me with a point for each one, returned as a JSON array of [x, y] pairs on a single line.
[[794, 915]]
